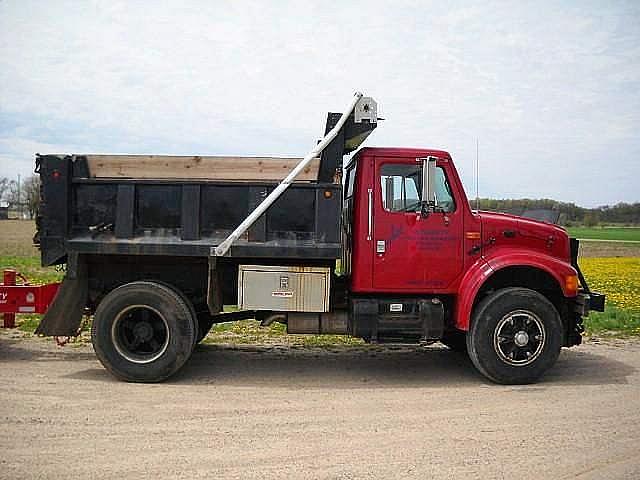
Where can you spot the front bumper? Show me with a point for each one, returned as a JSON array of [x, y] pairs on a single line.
[[586, 302]]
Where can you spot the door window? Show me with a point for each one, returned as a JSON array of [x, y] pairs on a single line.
[[402, 187]]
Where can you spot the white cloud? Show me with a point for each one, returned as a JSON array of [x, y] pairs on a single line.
[[548, 89]]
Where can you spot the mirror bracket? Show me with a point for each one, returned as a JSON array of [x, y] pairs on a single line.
[[428, 201]]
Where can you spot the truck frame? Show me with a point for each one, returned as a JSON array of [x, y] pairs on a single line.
[[385, 248]]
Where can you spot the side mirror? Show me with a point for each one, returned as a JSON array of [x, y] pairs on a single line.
[[428, 190]]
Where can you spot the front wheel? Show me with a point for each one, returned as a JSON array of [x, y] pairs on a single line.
[[143, 332], [515, 336]]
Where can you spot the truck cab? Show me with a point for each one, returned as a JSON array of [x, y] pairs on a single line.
[[404, 253]]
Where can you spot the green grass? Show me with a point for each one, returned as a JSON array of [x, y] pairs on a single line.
[[28, 323], [250, 332], [31, 269], [631, 234], [613, 322]]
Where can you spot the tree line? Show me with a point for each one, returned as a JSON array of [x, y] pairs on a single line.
[[568, 213], [21, 197]]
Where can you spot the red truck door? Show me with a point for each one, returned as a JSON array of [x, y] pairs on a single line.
[[413, 253]]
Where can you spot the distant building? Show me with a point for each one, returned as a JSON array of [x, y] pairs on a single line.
[[4, 210]]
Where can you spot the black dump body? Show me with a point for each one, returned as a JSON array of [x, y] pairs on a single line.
[[169, 217], [184, 206]]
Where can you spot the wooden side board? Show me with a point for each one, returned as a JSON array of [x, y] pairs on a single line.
[[195, 167]]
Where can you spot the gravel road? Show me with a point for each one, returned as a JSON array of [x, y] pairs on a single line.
[[282, 412]]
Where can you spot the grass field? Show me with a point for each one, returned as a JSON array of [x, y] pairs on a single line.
[[617, 277], [618, 234]]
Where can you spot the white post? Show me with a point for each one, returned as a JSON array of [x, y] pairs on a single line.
[[223, 248]]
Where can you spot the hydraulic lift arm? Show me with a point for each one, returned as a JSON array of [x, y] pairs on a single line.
[[361, 110]]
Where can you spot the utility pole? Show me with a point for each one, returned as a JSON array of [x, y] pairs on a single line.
[[19, 204], [477, 175]]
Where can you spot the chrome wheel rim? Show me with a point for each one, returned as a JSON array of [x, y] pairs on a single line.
[[140, 334], [519, 338]]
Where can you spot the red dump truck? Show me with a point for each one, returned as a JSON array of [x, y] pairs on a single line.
[[385, 248]]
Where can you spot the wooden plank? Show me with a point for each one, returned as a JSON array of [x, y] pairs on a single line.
[[201, 168]]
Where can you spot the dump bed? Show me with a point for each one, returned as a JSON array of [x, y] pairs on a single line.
[[183, 206]]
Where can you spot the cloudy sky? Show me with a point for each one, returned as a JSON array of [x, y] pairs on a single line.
[[551, 90]]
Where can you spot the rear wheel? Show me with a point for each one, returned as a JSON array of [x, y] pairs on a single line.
[[515, 336], [186, 300], [143, 332]]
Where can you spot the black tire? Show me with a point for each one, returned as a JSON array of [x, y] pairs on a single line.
[[515, 336], [456, 341], [143, 332], [188, 302]]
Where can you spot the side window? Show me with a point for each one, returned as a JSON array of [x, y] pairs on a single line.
[[444, 198], [349, 181], [401, 186]]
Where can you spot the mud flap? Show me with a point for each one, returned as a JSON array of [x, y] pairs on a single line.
[[64, 315]]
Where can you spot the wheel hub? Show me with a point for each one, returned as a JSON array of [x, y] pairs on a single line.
[[521, 338], [143, 331], [140, 334]]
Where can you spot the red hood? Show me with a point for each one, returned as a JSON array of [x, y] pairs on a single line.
[[511, 231]]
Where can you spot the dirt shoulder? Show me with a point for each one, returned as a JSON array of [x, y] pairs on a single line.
[[300, 412], [607, 248]]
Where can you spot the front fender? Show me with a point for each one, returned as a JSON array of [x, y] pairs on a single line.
[[482, 270], [469, 287]]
